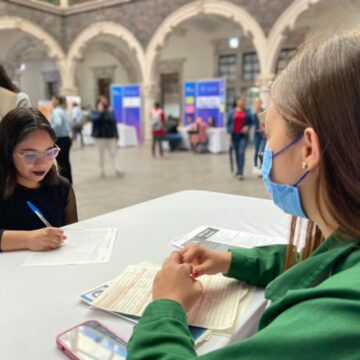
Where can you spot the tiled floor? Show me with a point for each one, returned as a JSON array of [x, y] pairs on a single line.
[[143, 178]]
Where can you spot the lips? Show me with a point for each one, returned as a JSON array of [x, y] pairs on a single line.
[[39, 173]]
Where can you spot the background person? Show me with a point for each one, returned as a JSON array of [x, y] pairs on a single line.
[[105, 132], [259, 135], [157, 117], [238, 126], [77, 123], [22, 99], [60, 122], [28, 173]]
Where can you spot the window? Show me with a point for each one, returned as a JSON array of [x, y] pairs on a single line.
[[284, 58], [250, 66], [227, 67]]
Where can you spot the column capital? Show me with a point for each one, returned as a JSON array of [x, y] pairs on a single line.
[[264, 80], [150, 90], [69, 91]]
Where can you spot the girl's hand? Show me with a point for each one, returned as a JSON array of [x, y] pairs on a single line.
[[175, 282], [205, 261], [45, 239]]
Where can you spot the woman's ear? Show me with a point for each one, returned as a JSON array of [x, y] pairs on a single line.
[[311, 151]]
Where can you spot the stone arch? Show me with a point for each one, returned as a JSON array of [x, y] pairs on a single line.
[[203, 7], [276, 37], [54, 50], [102, 28]]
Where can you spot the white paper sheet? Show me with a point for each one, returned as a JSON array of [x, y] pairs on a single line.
[[132, 292], [80, 247], [223, 239]]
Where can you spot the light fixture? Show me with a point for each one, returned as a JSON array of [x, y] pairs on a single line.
[[234, 42], [22, 67]]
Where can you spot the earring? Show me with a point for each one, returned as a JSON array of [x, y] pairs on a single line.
[[304, 165]]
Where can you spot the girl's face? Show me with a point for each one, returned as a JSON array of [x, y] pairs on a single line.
[[287, 166], [31, 168]]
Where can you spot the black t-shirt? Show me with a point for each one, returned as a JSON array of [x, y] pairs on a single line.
[[50, 200]]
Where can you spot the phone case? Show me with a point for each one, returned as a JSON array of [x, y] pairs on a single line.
[[62, 347]]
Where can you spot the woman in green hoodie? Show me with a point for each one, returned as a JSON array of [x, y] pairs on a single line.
[[311, 167]]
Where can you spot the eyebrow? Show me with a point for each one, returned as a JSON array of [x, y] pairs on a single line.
[[29, 149]]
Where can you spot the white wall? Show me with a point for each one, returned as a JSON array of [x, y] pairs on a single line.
[[32, 81], [196, 48], [86, 79]]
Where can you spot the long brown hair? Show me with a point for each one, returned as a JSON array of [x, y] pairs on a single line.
[[14, 127], [319, 89]]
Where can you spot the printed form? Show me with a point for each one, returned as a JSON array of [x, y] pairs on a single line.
[[132, 292], [80, 247], [223, 239]]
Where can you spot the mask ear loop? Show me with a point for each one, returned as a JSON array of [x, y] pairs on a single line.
[[301, 178], [287, 146]]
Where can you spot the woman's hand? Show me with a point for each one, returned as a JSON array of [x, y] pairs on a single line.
[[45, 239], [204, 261], [245, 130], [175, 282]]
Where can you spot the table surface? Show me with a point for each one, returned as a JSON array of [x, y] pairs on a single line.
[[38, 303]]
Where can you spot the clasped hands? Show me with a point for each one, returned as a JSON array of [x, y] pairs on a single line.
[[177, 279]]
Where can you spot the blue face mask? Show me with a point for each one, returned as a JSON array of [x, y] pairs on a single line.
[[286, 197]]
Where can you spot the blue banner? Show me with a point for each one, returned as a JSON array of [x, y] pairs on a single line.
[[126, 103], [206, 99]]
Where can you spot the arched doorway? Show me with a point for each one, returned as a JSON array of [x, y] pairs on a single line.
[[116, 56], [32, 57]]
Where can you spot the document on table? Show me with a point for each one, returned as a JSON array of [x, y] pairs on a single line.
[[80, 247], [132, 292], [223, 239]]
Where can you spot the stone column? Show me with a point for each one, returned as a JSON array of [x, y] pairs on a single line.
[[150, 94], [264, 81]]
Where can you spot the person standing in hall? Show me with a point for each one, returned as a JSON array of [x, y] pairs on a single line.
[[61, 124], [238, 127], [259, 136], [22, 100], [77, 123], [157, 117], [105, 132]]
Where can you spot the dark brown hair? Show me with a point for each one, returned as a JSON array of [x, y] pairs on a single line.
[[14, 127], [318, 89], [5, 81], [60, 99]]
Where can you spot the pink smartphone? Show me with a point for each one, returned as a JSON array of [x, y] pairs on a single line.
[[91, 340]]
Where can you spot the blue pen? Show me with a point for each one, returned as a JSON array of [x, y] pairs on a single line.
[[38, 213]]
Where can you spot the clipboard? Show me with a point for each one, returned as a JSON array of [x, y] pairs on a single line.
[[8, 101]]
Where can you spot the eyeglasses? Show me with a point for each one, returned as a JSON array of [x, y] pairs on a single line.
[[30, 157]]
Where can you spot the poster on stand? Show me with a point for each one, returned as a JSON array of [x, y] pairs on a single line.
[[126, 104], [206, 99]]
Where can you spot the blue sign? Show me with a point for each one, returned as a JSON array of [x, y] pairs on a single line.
[[126, 103], [206, 99]]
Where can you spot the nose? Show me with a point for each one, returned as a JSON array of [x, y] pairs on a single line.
[[40, 159]]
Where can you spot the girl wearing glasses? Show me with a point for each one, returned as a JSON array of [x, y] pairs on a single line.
[[28, 172], [311, 167]]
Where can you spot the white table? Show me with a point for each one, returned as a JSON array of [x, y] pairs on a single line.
[[217, 139], [127, 135], [37, 303]]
